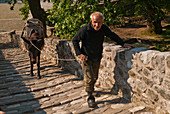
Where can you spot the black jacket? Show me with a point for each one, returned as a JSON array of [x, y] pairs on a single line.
[[92, 41]]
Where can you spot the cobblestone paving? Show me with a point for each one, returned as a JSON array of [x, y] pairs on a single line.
[[58, 92]]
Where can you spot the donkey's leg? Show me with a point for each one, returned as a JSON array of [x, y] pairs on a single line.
[[38, 67], [31, 69]]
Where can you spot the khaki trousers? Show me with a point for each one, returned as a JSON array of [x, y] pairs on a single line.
[[90, 70]]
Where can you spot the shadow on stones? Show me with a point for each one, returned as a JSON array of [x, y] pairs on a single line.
[[49, 66], [120, 100], [121, 76], [67, 60], [11, 42], [123, 65], [15, 97]]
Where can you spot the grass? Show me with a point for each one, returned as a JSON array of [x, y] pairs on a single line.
[[166, 33], [165, 42]]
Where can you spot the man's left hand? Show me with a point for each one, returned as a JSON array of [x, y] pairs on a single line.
[[126, 45]]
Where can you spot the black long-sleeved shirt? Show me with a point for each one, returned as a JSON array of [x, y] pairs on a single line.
[[92, 41]]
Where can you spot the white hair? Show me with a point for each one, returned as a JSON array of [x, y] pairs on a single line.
[[97, 13]]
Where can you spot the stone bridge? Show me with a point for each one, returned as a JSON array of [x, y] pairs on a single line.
[[59, 91]]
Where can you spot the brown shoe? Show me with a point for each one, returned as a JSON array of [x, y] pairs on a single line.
[[91, 102]]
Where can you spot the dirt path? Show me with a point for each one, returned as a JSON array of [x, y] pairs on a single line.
[[137, 30]]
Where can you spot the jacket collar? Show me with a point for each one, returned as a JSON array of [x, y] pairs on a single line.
[[90, 27]]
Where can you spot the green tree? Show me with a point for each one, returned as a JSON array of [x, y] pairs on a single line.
[[69, 15], [153, 10]]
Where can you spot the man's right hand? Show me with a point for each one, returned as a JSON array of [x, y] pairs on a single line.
[[83, 57]]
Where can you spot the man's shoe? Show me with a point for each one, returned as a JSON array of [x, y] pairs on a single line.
[[125, 100], [91, 102]]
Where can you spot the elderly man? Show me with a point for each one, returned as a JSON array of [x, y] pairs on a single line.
[[92, 37]]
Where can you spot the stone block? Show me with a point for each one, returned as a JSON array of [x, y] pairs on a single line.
[[167, 84], [168, 61], [146, 56], [135, 109], [131, 73], [157, 78], [167, 74], [12, 112], [131, 82], [141, 86], [139, 67], [113, 54], [165, 94], [146, 72], [167, 106], [107, 49], [109, 65], [109, 83], [145, 100], [159, 110], [13, 106], [148, 81], [152, 95], [116, 106], [158, 62], [83, 110]]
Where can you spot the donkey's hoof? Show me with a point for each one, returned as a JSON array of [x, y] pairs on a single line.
[[31, 74], [38, 77]]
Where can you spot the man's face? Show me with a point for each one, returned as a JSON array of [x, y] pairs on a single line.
[[97, 22]]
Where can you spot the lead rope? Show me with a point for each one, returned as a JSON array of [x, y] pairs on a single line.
[[57, 55], [35, 46]]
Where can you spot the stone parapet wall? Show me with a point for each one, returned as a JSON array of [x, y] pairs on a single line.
[[150, 78], [143, 72]]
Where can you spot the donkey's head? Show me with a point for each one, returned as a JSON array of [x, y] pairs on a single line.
[[36, 41]]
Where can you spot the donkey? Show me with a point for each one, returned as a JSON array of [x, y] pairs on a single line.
[[33, 36], [34, 46]]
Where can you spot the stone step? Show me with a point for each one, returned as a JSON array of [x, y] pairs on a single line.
[[58, 92]]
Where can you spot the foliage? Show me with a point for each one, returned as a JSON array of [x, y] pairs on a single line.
[[69, 16], [163, 46], [24, 10], [143, 7], [165, 43], [152, 10]]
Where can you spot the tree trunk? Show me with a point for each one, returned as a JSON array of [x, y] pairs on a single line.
[[153, 22], [38, 12], [154, 27]]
